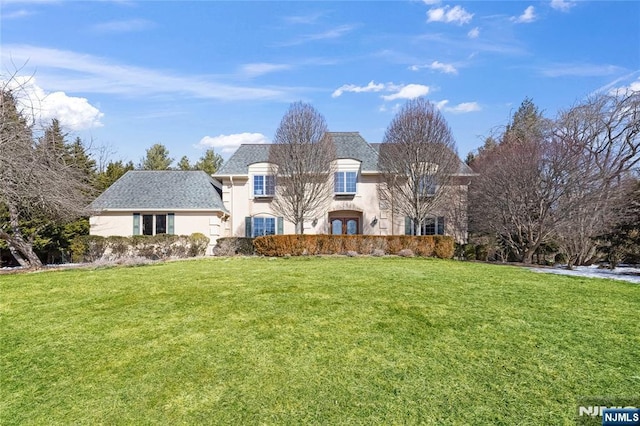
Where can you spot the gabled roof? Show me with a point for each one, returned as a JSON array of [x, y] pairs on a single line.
[[352, 145], [348, 145], [161, 190], [245, 155], [463, 168]]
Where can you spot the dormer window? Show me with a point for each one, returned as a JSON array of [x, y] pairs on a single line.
[[264, 185], [428, 186], [345, 183]]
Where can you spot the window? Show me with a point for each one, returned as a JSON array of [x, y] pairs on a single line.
[[147, 224], [264, 185], [345, 182], [427, 186], [161, 223], [264, 226], [430, 226]]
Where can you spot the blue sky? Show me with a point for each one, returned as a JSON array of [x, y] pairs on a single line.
[[191, 75]]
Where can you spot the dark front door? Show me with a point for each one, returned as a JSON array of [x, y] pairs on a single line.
[[345, 226]]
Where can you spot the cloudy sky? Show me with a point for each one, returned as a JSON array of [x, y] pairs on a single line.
[[191, 75]]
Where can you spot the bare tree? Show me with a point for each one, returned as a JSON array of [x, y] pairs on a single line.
[[418, 160], [35, 182], [518, 185], [601, 141], [302, 156]]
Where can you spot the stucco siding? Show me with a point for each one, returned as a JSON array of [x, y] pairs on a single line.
[[185, 223]]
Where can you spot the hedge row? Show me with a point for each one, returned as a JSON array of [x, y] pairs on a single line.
[[297, 245], [90, 248]]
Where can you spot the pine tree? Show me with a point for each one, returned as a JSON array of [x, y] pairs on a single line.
[[210, 162], [157, 158]]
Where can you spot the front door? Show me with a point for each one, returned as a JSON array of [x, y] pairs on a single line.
[[345, 226]]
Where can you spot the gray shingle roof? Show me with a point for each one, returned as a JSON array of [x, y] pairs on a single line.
[[352, 145], [246, 154], [348, 145], [161, 190], [463, 168]]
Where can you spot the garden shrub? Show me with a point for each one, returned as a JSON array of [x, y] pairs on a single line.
[[90, 248], [231, 246], [297, 245], [443, 248]]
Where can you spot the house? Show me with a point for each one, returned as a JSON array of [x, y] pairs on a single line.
[[356, 208], [145, 202], [237, 200]]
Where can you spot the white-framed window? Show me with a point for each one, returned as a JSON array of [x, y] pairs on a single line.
[[430, 226], [428, 185], [264, 185], [153, 224], [345, 182], [263, 226]]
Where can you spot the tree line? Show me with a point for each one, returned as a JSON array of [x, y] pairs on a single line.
[[568, 185], [47, 180]]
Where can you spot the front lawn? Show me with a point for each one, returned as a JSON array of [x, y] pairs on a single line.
[[313, 340]]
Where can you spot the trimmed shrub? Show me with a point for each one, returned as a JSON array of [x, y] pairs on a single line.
[[298, 245], [90, 248], [232, 246], [444, 248]]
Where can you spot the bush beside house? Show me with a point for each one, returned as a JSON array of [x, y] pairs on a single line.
[[90, 248]]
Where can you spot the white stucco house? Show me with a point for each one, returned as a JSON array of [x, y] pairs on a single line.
[[160, 202], [248, 190], [237, 200]]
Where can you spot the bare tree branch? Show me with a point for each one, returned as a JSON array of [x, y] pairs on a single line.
[[302, 158]]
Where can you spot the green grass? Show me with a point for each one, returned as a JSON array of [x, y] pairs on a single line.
[[312, 340]]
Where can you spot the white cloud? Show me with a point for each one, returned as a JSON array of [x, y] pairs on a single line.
[[258, 69], [528, 16], [436, 66], [445, 68], [71, 71], [456, 15], [229, 143], [371, 87], [464, 107], [461, 108], [73, 112], [410, 91], [635, 86], [16, 14], [562, 5], [330, 34], [123, 26], [431, 2], [580, 70], [474, 33]]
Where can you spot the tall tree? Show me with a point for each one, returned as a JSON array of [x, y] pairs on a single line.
[[517, 187], [210, 162], [600, 139], [156, 158], [78, 156], [418, 160], [113, 172], [302, 156], [184, 163], [36, 182]]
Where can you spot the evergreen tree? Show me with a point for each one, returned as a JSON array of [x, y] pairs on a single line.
[[184, 164], [157, 158], [210, 162], [112, 173]]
